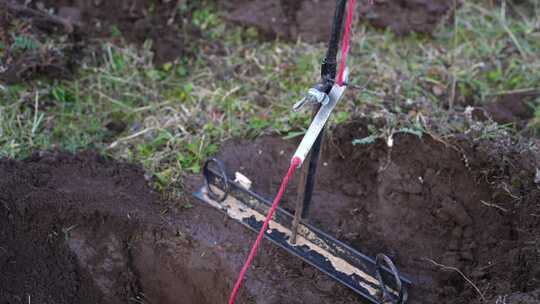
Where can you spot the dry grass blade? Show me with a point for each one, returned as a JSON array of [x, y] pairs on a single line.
[[494, 206], [450, 268]]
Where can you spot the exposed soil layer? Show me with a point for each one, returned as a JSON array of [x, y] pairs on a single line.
[[467, 206], [311, 20], [84, 229], [66, 222], [48, 38]]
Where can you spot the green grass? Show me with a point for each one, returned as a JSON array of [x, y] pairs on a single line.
[[176, 115]]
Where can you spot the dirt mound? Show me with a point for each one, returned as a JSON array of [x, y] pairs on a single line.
[[34, 43], [515, 108], [406, 16], [434, 208], [83, 229], [52, 208], [310, 20]]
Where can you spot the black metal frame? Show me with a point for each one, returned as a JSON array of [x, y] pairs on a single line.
[[391, 285]]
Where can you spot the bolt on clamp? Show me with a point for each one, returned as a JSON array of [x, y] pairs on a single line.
[[313, 96]]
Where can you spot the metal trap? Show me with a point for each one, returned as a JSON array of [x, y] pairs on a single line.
[[377, 280]]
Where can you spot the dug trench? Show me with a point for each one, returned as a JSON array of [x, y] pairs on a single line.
[[460, 219]]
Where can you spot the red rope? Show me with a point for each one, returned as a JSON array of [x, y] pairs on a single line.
[[294, 165], [345, 44], [295, 161]]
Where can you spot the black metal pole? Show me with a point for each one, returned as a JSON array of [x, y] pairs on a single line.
[[328, 75], [329, 64]]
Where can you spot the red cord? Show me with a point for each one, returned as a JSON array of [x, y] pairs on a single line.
[[346, 41], [294, 165]]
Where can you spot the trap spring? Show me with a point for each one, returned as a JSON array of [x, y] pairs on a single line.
[[366, 276]]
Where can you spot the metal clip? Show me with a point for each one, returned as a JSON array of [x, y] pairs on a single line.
[[223, 177], [313, 96], [385, 295]]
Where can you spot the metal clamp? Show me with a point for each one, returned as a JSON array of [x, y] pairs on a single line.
[[313, 96], [222, 173], [402, 292], [320, 119]]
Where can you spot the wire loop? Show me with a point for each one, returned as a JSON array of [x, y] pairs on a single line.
[[402, 292], [222, 175]]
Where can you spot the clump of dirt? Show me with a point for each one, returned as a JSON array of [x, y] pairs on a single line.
[[436, 208], [135, 20], [311, 20], [34, 43], [48, 38], [407, 16], [514, 108], [84, 229]]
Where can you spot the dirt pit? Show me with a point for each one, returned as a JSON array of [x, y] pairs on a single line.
[[84, 229], [81, 229]]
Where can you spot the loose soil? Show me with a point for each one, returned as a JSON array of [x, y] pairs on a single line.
[[467, 206], [407, 16], [85, 229]]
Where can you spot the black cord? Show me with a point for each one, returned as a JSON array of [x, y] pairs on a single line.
[[329, 65], [328, 75]]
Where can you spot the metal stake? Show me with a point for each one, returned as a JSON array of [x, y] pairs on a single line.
[[302, 208], [328, 75]]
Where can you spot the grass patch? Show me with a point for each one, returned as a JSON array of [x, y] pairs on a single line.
[[174, 116]]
